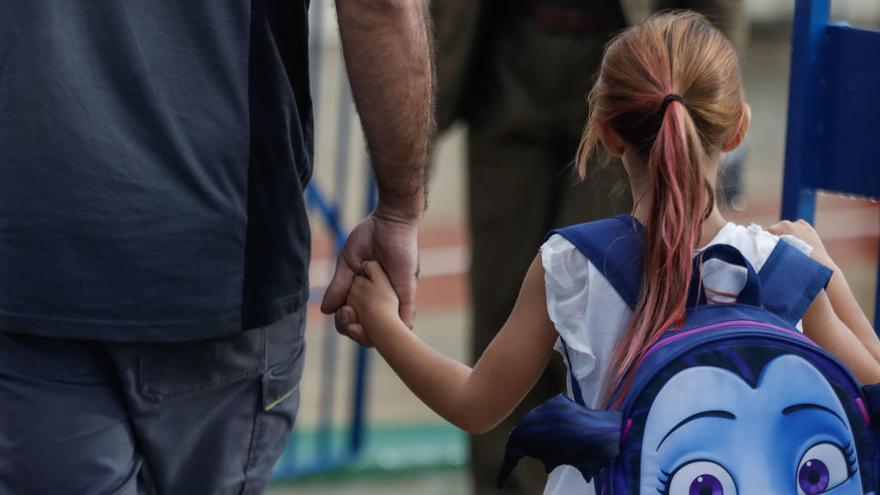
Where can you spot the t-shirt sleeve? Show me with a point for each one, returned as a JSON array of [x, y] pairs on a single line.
[[566, 278]]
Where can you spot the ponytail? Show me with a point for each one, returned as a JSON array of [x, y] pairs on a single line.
[[643, 72], [679, 204]]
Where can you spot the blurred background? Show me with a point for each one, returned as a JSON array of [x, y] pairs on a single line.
[[406, 448]]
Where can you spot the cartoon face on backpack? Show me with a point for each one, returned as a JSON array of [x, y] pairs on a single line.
[[733, 420], [710, 431]]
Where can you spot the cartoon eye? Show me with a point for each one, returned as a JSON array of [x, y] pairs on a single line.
[[701, 478], [822, 468]]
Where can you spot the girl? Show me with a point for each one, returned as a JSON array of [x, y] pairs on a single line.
[[668, 101]]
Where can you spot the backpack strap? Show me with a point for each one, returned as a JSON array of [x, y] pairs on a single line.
[[751, 292], [790, 280], [614, 247]]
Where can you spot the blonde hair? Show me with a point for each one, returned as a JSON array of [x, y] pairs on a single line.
[[676, 53]]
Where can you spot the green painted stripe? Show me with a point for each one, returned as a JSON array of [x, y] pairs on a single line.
[[388, 450]]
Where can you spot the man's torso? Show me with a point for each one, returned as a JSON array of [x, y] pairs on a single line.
[[152, 156]]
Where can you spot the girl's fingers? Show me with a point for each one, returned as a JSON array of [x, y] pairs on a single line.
[[356, 332], [374, 272], [344, 317], [347, 324]]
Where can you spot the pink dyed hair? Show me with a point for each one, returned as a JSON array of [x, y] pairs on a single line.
[[670, 53]]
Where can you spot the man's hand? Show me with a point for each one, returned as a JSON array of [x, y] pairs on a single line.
[[387, 50], [390, 240]]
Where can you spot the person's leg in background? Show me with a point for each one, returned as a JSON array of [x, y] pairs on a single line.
[[603, 193], [510, 193], [213, 416], [518, 191], [731, 17], [64, 427], [731, 188], [526, 115]]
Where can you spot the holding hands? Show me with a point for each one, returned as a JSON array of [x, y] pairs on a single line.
[[390, 239], [375, 302]]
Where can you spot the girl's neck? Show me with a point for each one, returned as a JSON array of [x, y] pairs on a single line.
[[641, 190]]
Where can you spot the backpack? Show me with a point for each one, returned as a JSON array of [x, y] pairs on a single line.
[[736, 401]]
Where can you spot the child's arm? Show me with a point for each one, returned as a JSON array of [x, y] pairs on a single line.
[[475, 399], [842, 300]]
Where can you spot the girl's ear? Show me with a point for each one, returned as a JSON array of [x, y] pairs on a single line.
[[737, 138], [611, 140]]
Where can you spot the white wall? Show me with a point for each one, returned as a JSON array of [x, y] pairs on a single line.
[[857, 12]]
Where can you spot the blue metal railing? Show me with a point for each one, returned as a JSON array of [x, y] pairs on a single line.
[[328, 450], [833, 114]]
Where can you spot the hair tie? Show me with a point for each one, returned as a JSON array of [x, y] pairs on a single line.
[[667, 100]]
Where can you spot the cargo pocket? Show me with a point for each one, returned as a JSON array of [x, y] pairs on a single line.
[[285, 351], [282, 381], [184, 369], [273, 424]]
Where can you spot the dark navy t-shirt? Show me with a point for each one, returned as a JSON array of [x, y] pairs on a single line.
[[153, 156]]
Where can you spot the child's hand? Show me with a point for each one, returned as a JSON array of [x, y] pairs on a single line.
[[805, 232], [374, 300]]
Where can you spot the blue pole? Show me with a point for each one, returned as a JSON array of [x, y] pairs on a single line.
[[362, 359], [807, 56]]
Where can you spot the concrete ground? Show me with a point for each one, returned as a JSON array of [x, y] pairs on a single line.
[[441, 483], [850, 227]]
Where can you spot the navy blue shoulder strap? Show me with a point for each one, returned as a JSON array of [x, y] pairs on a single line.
[[790, 280], [614, 246]]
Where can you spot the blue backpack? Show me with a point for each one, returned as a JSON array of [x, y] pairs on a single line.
[[736, 401]]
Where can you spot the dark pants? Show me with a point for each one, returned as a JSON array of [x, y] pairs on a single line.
[[203, 417], [518, 192]]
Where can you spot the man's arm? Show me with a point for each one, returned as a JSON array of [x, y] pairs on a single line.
[[387, 49], [388, 56]]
